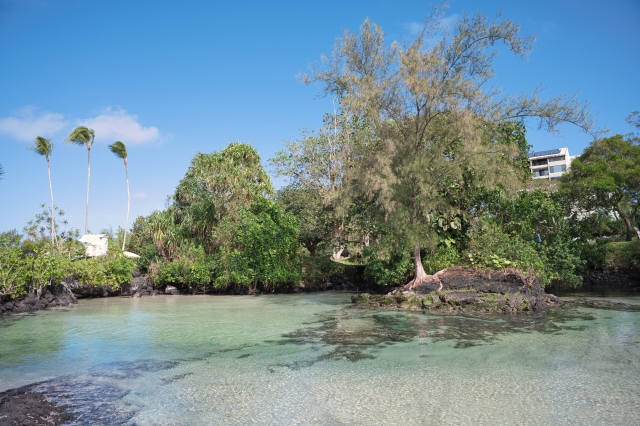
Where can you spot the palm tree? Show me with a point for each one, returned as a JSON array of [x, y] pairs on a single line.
[[120, 150], [45, 147], [84, 136]]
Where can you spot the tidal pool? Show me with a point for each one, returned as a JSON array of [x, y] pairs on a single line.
[[312, 359]]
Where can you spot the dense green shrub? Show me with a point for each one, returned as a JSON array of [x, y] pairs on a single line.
[[552, 260], [443, 256], [44, 268], [624, 254], [192, 269], [262, 250], [317, 269], [394, 270], [13, 271], [111, 270]]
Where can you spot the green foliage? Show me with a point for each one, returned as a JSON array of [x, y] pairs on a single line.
[[607, 176], [314, 218], [394, 270], [42, 147], [38, 231], [317, 269], [13, 273], [444, 256], [192, 269], [263, 248], [490, 247], [82, 136], [119, 149], [622, 254], [111, 270], [552, 260], [44, 268]]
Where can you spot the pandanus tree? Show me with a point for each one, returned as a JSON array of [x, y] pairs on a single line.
[[44, 147], [120, 150], [84, 136]]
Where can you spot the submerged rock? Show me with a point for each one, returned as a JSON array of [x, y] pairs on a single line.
[[465, 289]]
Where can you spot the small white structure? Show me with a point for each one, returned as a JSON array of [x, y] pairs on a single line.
[[95, 244]]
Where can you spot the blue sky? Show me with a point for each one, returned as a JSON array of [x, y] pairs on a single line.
[[173, 78]]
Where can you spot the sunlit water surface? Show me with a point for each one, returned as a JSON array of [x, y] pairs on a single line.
[[312, 359]]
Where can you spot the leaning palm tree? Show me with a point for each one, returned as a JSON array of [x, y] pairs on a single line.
[[84, 136], [44, 147], [120, 150]]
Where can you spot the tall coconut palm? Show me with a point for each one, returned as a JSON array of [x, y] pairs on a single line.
[[44, 147], [84, 136], [120, 150]]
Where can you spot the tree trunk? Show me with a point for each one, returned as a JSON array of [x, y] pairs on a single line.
[[86, 217], [337, 252], [338, 248], [421, 276], [126, 226], [313, 248], [53, 225], [628, 225]]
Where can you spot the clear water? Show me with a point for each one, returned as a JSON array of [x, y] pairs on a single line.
[[311, 359]]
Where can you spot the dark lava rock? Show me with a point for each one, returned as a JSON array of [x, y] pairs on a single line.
[[139, 286], [606, 304], [466, 289], [19, 407], [52, 295]]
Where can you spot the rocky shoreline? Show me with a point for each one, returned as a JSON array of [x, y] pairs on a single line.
[[463, 289], [468, 290]]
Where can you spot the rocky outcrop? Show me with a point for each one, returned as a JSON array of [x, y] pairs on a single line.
[[171, 290], [139, 286], [619, 278], [464, 289], [71, 289], [52, 295]]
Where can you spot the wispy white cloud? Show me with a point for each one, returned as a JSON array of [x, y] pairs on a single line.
[[414, 28], [449, 21], [446, 22], [140, 196], [118, 124], [25, 124]]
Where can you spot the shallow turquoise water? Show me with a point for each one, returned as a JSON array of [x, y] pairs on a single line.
[[311, 359]]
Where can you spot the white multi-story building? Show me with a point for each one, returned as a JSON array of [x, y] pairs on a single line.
[[550, 164]]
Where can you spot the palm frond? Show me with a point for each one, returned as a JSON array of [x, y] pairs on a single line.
[[1, 171], [81, 136], [119, 149], [42, 146]]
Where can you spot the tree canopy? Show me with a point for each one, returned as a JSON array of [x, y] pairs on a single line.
[[436, 118], [607, 176]]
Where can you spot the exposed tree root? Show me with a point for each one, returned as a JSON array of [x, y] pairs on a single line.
[[422, 279]]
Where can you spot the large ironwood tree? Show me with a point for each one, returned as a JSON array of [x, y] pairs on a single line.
[[436, 116]]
